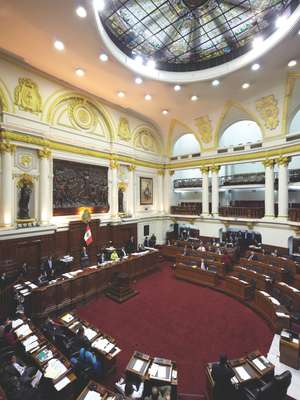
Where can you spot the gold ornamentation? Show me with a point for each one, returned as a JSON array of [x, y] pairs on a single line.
[[114, 164], [204, 169], [268, 108], [25, 160], [131, 167], [3, 101], [86, 215], [171, 173], [44, 153], [145, 139], [27, 96], [161, 172], [215, 168], [268, 162], [123, 129], [282, 160], [250, 225], [122, 186], [25, 180], [204, 129], [81, 114], [6, 147]]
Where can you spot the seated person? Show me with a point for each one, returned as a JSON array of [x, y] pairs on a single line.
[[274, 253], [100, 258], [6, 321], [43, 278], [160, 393], [141, 248], [122, 252], [146, 241], [49, 267], [86, 359], [18, 369], [252, 256], [130, 389], [9, 336], [130, 248], [203, 265], [222, 374], [17, 390], [185, 251], [79, 340], [152, 240], [201, 248], [114, 256], [56, 332]]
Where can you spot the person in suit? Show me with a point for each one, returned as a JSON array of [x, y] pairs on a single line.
[[130, 248], [87, 359], [203, 265], [79, 341], [130, 389], [100, 258], [252, 256], [3, 280], [122, 253], [152, 240], [49, 267], [146, 241], [84, 258], [17, 368], [222, 374], [43, 278]]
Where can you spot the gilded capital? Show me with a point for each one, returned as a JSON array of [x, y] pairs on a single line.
[[204, 169], [6, 147], [171, 172], [283, 160], [122, 186], [44, 153], [161, 172], [268, 162], [215, 168], [131, 167]]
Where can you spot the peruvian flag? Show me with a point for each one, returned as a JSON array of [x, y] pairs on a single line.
[[88, 238]]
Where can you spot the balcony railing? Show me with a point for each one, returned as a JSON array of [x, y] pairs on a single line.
[[242, 212], [243, 179], [187, 209], [294, 175], [187, 183], [294, 214]]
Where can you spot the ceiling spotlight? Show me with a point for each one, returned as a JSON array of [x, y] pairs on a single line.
[[194, 98], [299, 32], [257, 41], [177, 88], [280, 21], [79, 72], [121, 94], [139, 60], [215, 82], [151, 64], [292, 63], [148, 97], [81, 12], [255, 67], [165, 112], [59, 45], [103, 57], [246, 85], [138, 80], [99, 5]]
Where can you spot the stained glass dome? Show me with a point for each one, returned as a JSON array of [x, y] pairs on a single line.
[[189, 35]]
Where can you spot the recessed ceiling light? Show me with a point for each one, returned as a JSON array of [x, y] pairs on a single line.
[[177, 88], [138, 80], [280, 21], [79, 72], [165, 112], [255, 67], [121, 94], [139, 60], [215, 82], [257, 41], [246, 85], [194, 98], [148, 97], [151, 64], [58, 44], [299, 32], [99, 5], [103, 57], [292, 63], [81, 12]]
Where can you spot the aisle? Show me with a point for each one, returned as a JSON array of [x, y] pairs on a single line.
[[187, 323]]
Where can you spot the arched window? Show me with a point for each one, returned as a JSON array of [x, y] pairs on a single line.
[[295, 124], [186, 144], [241, 132]]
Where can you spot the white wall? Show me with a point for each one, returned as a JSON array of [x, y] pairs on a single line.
[[186, 144], [295, 124], [241, 132]]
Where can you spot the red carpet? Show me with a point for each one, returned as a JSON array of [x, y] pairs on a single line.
[[187, 323]]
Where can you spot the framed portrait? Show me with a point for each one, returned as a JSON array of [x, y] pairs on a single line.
[[146, 191]]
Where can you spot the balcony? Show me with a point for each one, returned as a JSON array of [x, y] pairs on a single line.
[[294, 214], [188, 183], [242, 212], [243, 179], [187, 209]]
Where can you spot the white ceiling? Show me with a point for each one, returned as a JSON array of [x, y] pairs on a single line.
[[28, 29]]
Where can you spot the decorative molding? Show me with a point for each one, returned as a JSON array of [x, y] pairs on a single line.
[[114, 164], [81, 114], [204, 129], [131, 167], [27, 96], [123, 130], [44, 153], [122, 186], [3, 100], [283, 161], [161, 172], [268, 162], [171, 173], [204, 169], [215, 168], [268, 109], [6, 147], [145, 139]]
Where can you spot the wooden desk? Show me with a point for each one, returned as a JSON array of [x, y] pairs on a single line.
[[279, 273], [289, 347], [93, 386], [196, 275], [282, 262], [262, 281], [238, 288], [196, 260], [272, 310], [291, 292]]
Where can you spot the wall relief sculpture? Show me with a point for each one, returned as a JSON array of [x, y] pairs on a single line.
[[268, 109], [27, 96], [123, 129], [204, 128], [78, 185]]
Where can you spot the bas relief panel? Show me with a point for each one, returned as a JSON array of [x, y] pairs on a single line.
[[78, 185]]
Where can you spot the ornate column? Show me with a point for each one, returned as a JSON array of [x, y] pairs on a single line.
[[283, 187], [167, 191], [205, 190], [215, 190], [131, 190], [114, 188], [269, 188], [44, 184], [160, 190], [7, 149]]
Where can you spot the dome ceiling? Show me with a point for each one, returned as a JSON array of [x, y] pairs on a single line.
[[189, 35]]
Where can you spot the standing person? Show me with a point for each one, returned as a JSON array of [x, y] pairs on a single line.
[[146, 241], [131, 248], [222, 374], [152, 240], [84, 258], [49, 268]]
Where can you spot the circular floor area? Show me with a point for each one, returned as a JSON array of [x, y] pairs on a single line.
[[181, 321]]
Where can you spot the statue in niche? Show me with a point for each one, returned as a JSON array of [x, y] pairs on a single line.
[[121, 201], [25, 185]]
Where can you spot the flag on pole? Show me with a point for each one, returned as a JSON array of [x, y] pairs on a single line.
[[88, 238]]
